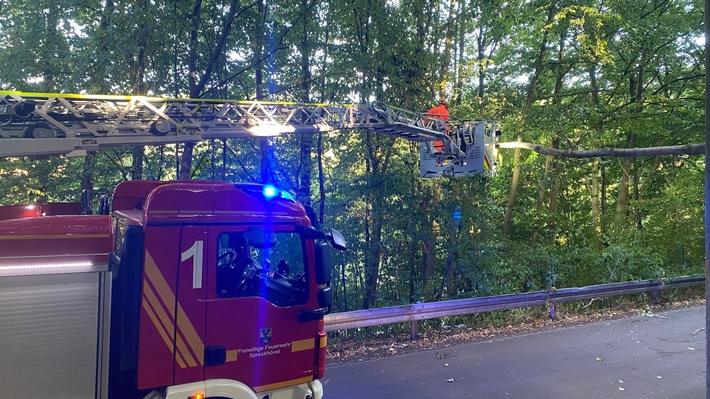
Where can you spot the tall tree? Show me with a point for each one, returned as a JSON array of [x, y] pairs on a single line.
[[539, 65], [201, 69]]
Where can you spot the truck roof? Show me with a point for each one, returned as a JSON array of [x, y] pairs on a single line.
[[205, 202]]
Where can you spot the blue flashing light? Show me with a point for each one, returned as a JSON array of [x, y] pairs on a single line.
[[270, 192], [457, 215]]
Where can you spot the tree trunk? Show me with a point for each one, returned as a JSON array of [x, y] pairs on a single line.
[[636, 190], [140, 88], [373, 256], [481, 44], [197, 82], [188, 148], [378, 151], [622, 200], [137, 163], [554, 188], [461, 41], [52, 21], [265, 143], [306, 162], [539, 64], [448, 48], [602, 193], [412, 250], [87, 174], [541, 189], [636, 88], [445, 278], [595, 188], [321, 175], [430, 229], [562, 69], [594, 193], [552, 164], [376, 166], [512, 197]]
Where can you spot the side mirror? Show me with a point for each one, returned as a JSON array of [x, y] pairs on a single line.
[[337, 240], [325, 298], [335, 237], [323, 264]]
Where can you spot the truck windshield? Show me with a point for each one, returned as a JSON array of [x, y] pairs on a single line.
[[265, 264]]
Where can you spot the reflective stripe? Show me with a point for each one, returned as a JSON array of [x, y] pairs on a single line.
[[232, 356], [53, 236], [282, 384], [303, 345]]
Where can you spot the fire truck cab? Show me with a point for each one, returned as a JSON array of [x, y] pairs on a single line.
[[199, 290]]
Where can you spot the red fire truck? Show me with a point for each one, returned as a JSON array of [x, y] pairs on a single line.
[[187, 290], [179, 290]]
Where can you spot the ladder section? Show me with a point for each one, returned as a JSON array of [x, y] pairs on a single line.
[[46, 124], [40, 124]]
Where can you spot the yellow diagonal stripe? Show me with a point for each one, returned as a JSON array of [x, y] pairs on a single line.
[[162, 319], [158, 281], [185, 328], [162, 331]]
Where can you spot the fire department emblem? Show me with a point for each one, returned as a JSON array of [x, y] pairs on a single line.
[[265, 334]]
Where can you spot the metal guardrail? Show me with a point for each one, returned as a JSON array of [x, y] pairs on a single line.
[[433, 310]]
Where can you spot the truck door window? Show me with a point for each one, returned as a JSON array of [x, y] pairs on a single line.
[[273, 268]]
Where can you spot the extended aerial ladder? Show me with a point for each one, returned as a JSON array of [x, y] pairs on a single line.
[[39, 124]]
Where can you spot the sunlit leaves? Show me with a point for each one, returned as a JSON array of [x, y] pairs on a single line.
[[607, 71]]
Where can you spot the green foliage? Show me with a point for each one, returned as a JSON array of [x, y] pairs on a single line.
[[611, 74]]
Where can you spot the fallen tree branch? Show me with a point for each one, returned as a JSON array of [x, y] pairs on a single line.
[[688, 149]]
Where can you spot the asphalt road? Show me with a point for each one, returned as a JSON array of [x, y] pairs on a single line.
[[659, 356]]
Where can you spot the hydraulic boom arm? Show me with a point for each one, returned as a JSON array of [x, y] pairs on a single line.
[[68, 124]]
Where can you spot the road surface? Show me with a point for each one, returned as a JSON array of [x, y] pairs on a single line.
[[645, 356]]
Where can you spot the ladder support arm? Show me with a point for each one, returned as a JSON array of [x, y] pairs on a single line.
[[40, 124]]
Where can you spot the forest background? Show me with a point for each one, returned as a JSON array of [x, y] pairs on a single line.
[[571, 74]]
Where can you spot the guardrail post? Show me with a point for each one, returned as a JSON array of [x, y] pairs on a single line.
[[413, 334], [656, 296]]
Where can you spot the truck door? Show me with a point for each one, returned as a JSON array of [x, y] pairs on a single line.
[[258, 281], [190, 309]]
